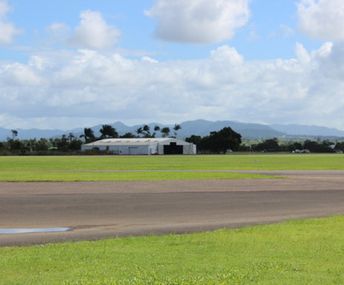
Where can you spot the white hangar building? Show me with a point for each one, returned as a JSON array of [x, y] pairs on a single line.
[[140, 146]]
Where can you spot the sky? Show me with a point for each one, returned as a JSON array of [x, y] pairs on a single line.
[[67, 64]]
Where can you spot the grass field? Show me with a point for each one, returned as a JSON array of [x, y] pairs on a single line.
[[105, 168], [122, 176], [298, 252]]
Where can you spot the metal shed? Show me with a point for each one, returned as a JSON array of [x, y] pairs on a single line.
[[142, 146]]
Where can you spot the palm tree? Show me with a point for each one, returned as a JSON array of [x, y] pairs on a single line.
[[176, 128], [139, 131], [165, 132], [107, 131], [71, 137], [146, 131], [14, 134], [156, 129], [88, 135]]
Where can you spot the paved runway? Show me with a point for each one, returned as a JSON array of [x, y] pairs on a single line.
[[108, 209]]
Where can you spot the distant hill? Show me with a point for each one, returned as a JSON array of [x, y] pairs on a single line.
[[30, 133], [203, 127], [303, 130], [247, 130], [197, 127]]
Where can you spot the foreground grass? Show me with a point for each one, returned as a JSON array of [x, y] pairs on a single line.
[[96, 168], [122, 176], [298, 252]]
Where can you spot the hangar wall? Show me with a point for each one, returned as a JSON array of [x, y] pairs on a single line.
[[160, 146]]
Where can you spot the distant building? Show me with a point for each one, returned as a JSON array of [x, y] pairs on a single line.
[[140, 146], [301, 151]]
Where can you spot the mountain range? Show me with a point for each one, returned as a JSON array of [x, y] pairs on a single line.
[[198, 127]]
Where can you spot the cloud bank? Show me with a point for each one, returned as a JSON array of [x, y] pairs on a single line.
[[199, 21], [91, 86], [95, 84]]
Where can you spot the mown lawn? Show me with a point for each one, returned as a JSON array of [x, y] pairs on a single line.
[[97, 168], [297, 252], [51, 176]]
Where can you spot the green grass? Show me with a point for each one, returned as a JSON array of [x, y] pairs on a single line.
[[96, 168], [297, 252], [122, 176]]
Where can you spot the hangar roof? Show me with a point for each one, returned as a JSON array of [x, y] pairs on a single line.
[[137, 141]]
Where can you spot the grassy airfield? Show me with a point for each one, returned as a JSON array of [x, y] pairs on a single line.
[[138, 168], [296, 252]]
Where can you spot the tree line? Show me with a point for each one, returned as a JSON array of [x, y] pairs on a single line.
[[307, 146], [107, 132], [222, 141], [72, 144]]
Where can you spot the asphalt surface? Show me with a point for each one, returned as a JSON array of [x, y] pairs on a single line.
[[108, 209]]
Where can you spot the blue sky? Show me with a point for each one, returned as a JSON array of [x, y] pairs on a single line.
[[264, 37], [158, 60]]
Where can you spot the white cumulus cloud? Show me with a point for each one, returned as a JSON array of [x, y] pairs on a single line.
[[227, 54], [94, 32], [322, 19], [199, 21], [8, 31]]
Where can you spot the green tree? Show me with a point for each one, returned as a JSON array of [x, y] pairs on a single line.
[[176, 128], [75, 145], [14, 134], [16, 146], [139, 131], [318, 146], [197, 140], [146, 131], [295, 146], [62, 143], [165, 132], [128, 136], [88, 135], [107, 131], [217, 142], [2, 146], [339, 146], [222, 141], [269, 145], [41, 145], [156, 129]]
